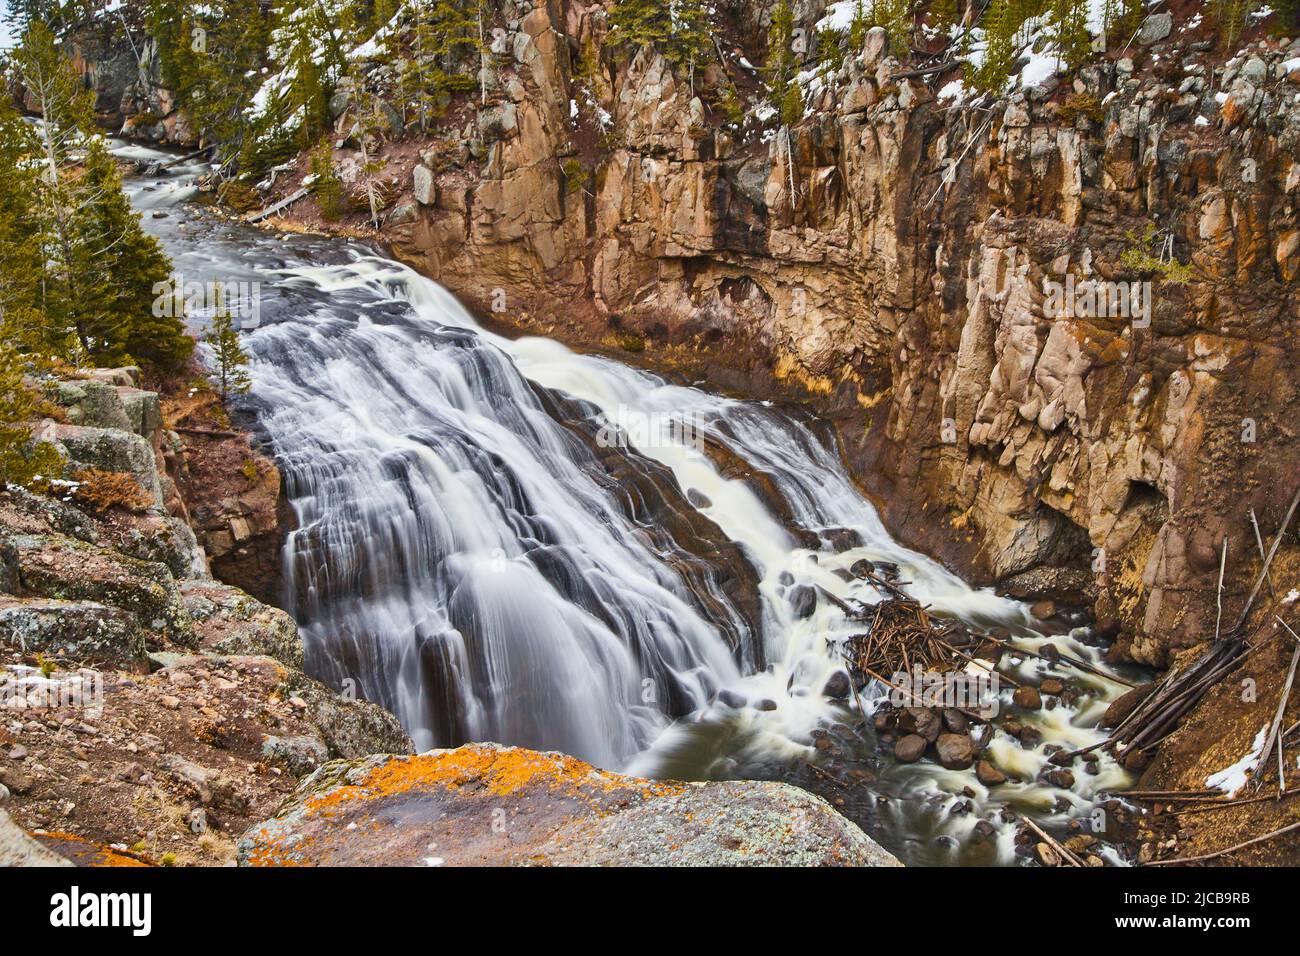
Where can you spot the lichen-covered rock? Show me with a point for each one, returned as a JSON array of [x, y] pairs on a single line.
[[108, 449], [349, 726], [83, 631], [19, 849], [55, 566], [230, 621], [484, 804], [93, 404]]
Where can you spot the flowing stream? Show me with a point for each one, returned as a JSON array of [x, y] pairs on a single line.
[[501, 539]]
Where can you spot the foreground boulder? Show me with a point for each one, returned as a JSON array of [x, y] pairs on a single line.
[[488, 805]]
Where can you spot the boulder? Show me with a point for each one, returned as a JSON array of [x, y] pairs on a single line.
[[109, 449], [803, 601], [488, 805], [94, 404], [422, 186], [19, 849], [910, 748], [55, 566], [1028, 698], [988, 774], [231, 622], [1155, 28], [956, 751], [79, 630]]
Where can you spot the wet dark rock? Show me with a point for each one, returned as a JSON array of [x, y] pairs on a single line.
[[1028, 698], [842, 539], [1052, 685], [909, 749], [698, 498], [861, 568], [923, 721], [956, 751], [1063, 779], [983, 832], [955, 720], [988, 774], [729, 698], [887, 570], [765, 704], [837, 687], [803, 601]]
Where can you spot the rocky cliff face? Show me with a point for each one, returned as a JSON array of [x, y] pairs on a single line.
[[892, 259]]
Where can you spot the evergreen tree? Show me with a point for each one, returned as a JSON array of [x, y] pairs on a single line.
[[679, 29], [228, 358], [117, 267], [782, 66], [1067, 26], [22, 239], [96, 268], [943, 15], [443, 43], [1000, 27], [21, 462], [211, 62]]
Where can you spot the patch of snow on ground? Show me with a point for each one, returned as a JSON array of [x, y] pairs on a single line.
[[1233, 778]]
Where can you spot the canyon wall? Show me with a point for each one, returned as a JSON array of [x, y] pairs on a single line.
[[895, 260], [891, 260]]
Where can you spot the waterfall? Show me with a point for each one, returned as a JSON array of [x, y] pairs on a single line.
[[501, 539]]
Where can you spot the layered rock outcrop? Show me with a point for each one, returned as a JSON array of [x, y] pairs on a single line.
[[142, 703], [1056, 331], [488, 805]]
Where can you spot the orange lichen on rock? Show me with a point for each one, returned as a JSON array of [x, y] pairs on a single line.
[[502, 772]]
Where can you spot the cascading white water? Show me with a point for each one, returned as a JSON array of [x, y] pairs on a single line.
[[476, 554]]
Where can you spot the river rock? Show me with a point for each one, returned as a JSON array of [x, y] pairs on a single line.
[[956, 751], [910, 748], [837, 686], [1028, 698], [1052, 685], [803, 601], [988, 774], [488, 805]]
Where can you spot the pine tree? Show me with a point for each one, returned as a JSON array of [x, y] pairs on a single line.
[[679, 29], [943, 15], [1067, 26], [117, 267], [22, 238], [782, 66], [21, 462], [1000, 27], [228, 358], [211, 62]]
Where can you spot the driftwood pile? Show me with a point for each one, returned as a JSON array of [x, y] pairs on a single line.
[[902, 636], [1172, 697]]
